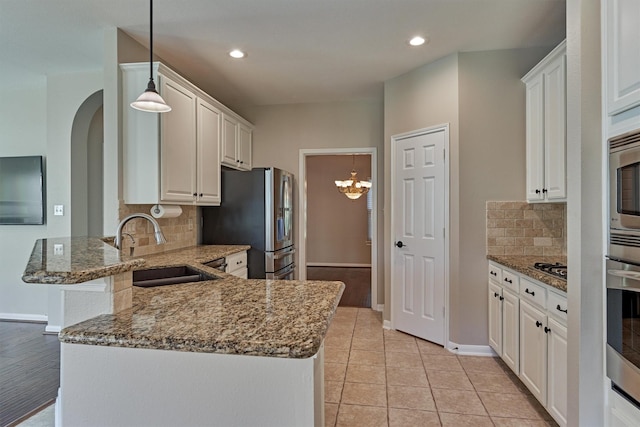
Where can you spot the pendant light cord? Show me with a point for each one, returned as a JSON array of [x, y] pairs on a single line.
[[151, 40]]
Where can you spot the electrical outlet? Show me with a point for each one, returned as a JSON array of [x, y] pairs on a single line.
[[58, 210], [58, 249]]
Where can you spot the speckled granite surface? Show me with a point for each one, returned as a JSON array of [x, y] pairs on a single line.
[[194, 255], [69, 260], [274, 318], [524, 265]]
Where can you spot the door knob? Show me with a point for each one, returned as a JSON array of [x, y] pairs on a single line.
[[400, 244]]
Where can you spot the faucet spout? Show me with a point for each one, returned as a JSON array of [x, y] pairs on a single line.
[[156, 229]]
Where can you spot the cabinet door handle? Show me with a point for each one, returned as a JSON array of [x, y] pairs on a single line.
[[538, 323], [544, 190], [200, 194], [532, 293], [493, 273], [495, 295], [195, 194], [560, 308], [508, 280], [537, 191], [501, 298], [546, 330]]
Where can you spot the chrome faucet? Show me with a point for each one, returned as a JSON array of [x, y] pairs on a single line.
[[156, 229]]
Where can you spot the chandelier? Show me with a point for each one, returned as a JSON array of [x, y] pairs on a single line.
[[352, 187]]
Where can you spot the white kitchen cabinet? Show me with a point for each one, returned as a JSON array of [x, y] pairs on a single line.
[[623, 55], [546, 128], [236, 144], [174, 157], [532, 335], [533, 350], [557, 370], [237, 264]]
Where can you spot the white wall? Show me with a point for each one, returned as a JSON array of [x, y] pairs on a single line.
[[23, 132]]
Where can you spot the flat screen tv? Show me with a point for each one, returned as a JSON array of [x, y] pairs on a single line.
[[21, 190]]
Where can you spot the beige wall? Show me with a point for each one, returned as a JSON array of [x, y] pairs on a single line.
[[482, 99], [336, 225], [283, 130]]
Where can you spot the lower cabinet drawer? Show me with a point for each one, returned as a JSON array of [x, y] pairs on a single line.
[[534, 293], [236, 262], [557, 306]]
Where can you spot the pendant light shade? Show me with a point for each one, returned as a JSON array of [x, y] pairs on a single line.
[[150, 100], [352, 187]]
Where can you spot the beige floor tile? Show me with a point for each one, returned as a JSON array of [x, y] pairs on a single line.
[[403, 360], [364, 357], [369, 374], [333, 391], [347, 311], [376, 344], [427, 347], [407, 376], [436, 362], [494, 383], [340, 331], [401, 346], [359, 416], [512, 406], [330, 414], [519, 422], [364, 394], [455, 380], [335, 355], [458, 402], [481, 364], [334, 371], [397, 335], [461, 420], [367, 332], [410, 398], [337, 343], [411, 417]]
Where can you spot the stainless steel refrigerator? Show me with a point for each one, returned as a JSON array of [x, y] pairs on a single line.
[[257, 210]]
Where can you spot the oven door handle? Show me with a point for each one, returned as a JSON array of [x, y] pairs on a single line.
[[627, 276], [288, 271]]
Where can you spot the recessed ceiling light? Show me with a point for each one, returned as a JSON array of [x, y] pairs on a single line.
[[237, 53], [417, 41]]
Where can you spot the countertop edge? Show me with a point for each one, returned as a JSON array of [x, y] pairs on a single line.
[[523, 264]]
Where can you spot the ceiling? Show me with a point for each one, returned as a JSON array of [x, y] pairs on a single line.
[[298, 50]]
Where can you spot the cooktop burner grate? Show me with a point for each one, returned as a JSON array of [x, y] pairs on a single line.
[[557, 269]]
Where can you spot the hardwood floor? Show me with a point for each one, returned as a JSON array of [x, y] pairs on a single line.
[[356, 279], [29, 369]]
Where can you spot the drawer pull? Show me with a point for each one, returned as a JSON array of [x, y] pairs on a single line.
[[493, 273], [560, 309], [532, 293], [501, 298], [538, 323], [508, 280], [546, 330], [495, 295]]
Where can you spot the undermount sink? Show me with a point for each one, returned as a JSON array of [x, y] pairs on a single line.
[[169, 276]]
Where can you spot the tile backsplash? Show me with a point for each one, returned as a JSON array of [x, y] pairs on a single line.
[[180, 232], [521, 228]]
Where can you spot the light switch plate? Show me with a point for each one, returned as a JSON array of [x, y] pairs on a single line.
[[58, 249], [58, 210]]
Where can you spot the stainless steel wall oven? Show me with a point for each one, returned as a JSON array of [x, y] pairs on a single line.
[[623, 265]]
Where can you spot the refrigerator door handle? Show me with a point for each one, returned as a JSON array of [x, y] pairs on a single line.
[[288, 271], [284, 254]]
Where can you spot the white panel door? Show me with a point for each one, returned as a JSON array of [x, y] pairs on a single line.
[[535, 139], [495, 317], [229, 155], [418, 204], [557, 375], [511, 330], [555, 134]]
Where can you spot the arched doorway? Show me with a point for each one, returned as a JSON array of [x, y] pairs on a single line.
[[87, 139]]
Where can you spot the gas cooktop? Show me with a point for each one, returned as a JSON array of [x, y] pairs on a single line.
[[557, 269]]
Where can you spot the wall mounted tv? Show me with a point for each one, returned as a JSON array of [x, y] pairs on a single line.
[[21, 190]]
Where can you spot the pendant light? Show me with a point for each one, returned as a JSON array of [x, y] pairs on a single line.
[[150, 100], [351, 187]]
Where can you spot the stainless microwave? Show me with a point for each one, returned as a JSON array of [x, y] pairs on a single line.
[[624, 196]]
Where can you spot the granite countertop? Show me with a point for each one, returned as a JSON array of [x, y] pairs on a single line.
[[70, 260], [274, 318], [524, 264], [194, 255]]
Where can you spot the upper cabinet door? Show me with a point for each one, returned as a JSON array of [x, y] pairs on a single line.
[[244, 146], [535, 138], [623, 55], [229, 140], [178, 143], [208, 158], [555, 118]]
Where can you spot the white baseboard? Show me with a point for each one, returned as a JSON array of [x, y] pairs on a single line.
[[379, 307], [52, 329], [335, 264], [471, 350], [36, 318], [386, 324]]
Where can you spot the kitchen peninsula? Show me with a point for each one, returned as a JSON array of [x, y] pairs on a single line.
[[228, 351]]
